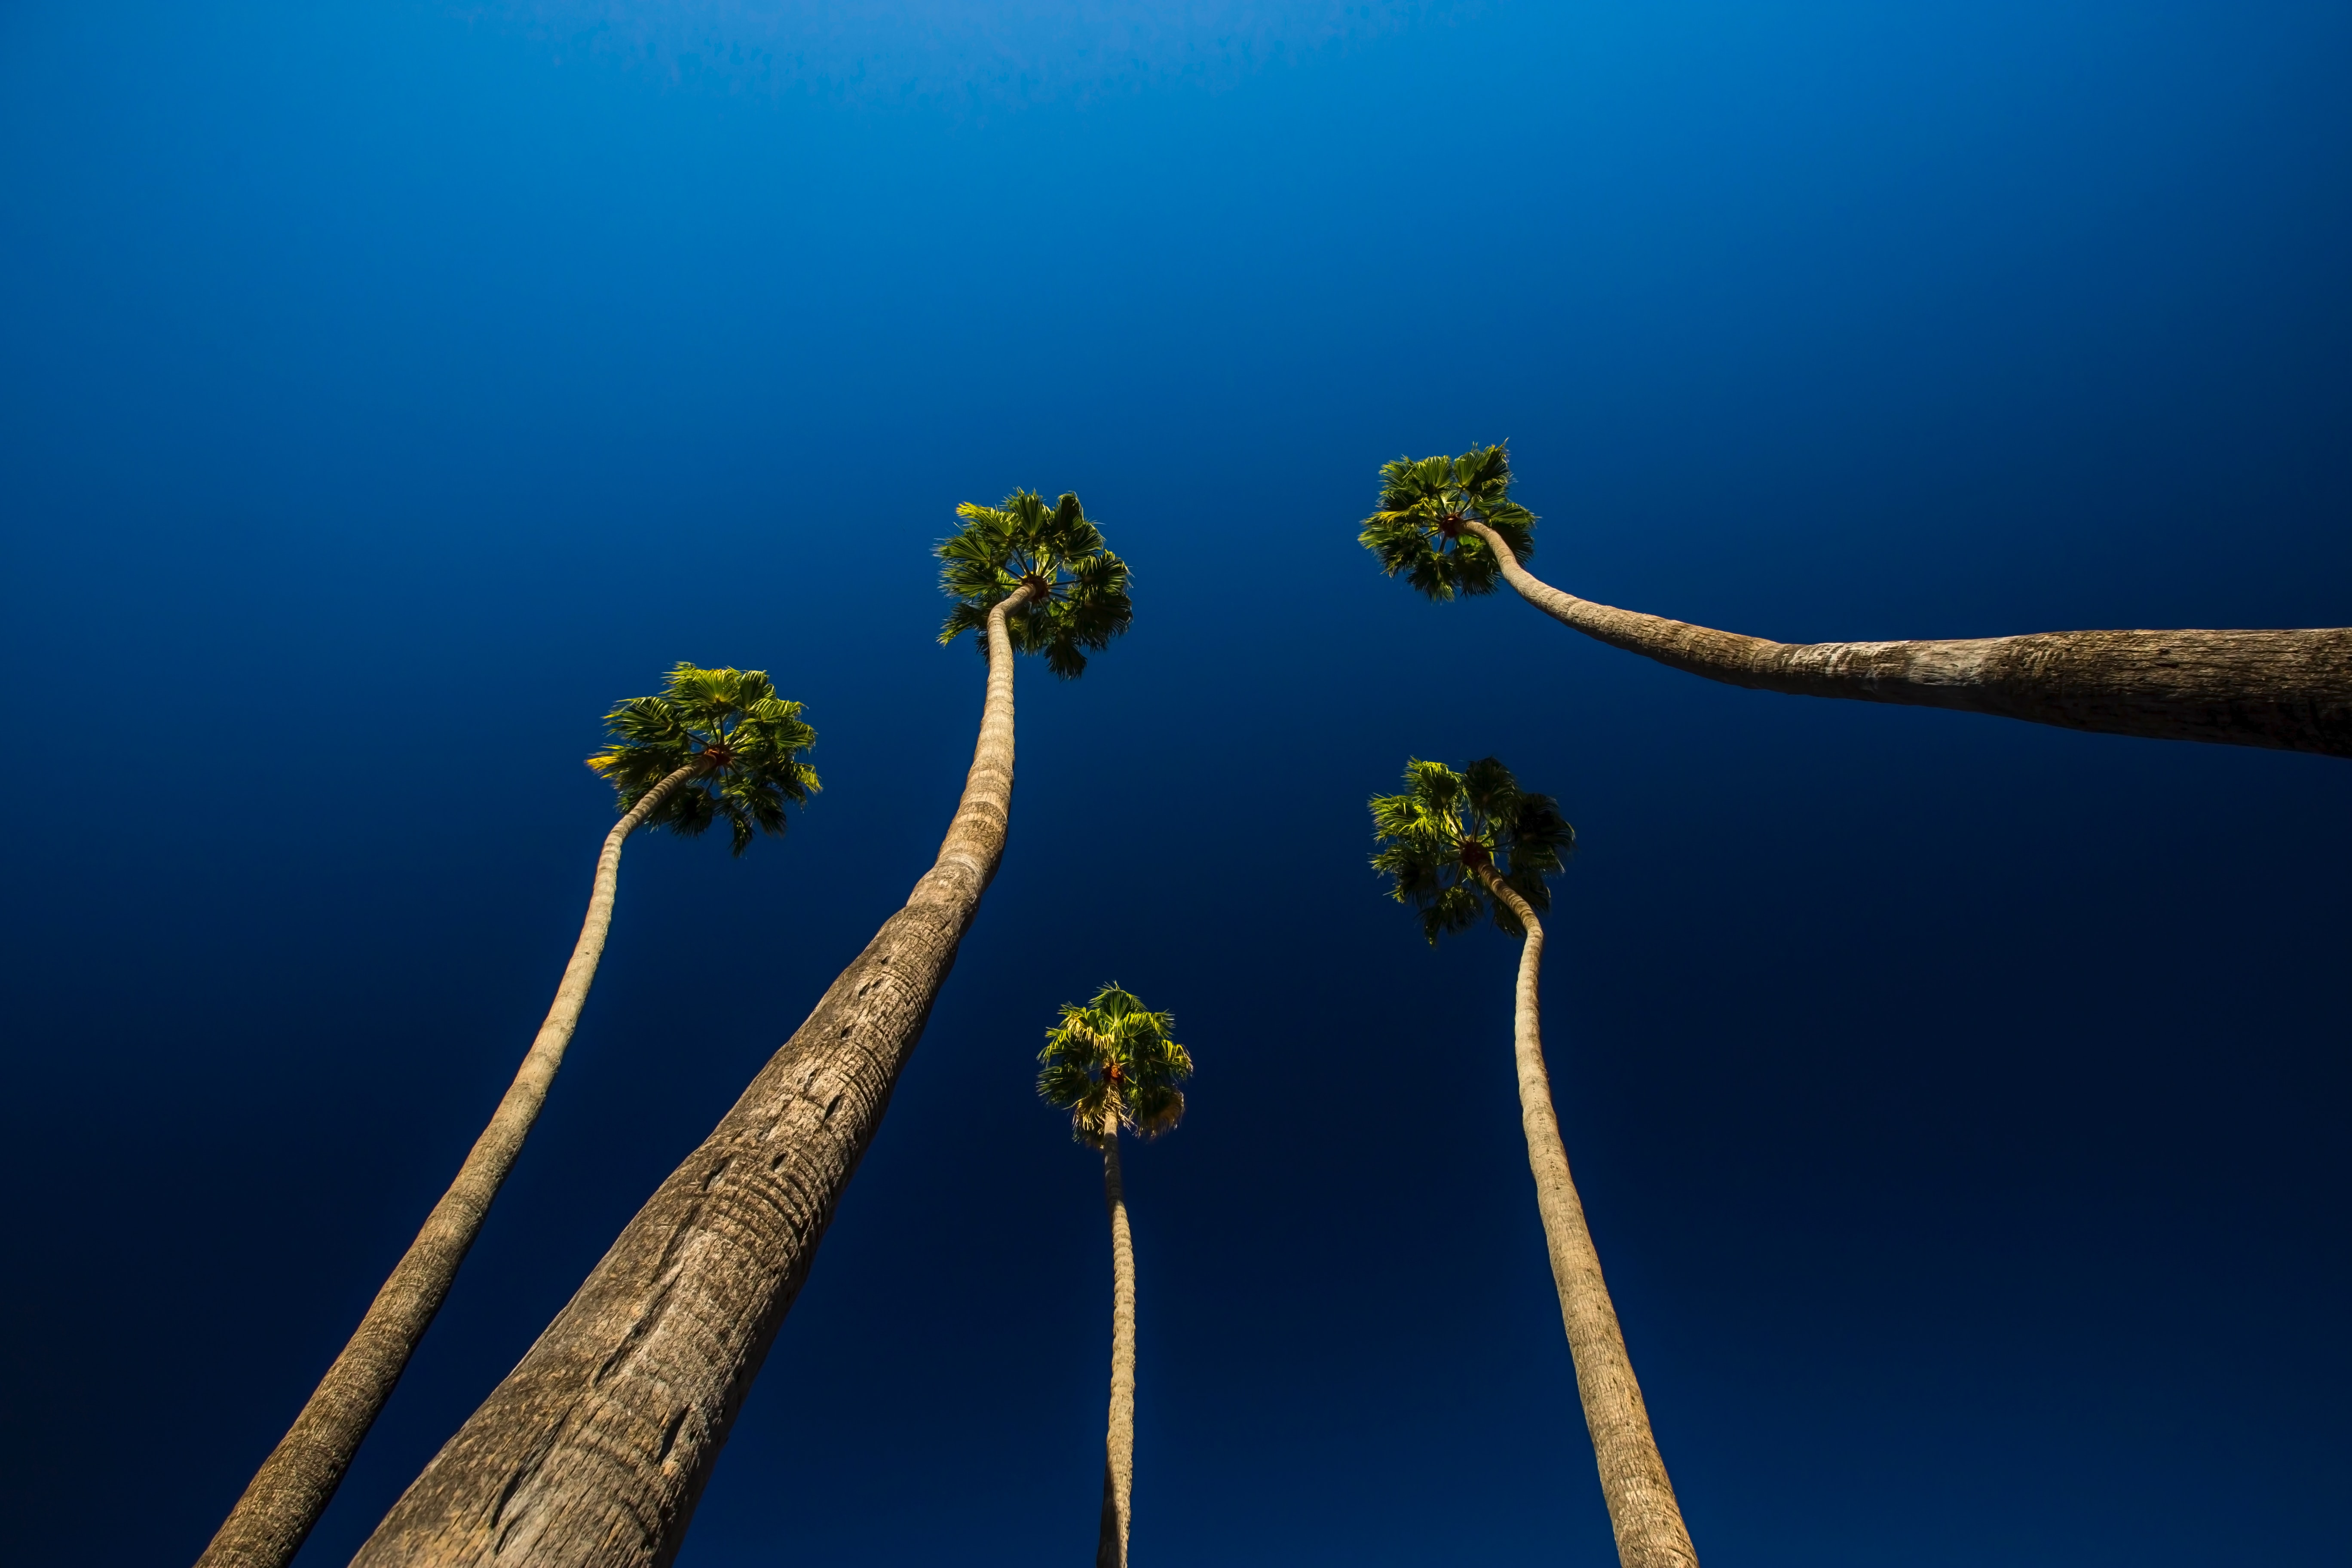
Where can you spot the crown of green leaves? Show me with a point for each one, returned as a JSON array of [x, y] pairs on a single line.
[[1112, 1062], [730, 728], [1435, 837], [1077, 599], [1425, 502]]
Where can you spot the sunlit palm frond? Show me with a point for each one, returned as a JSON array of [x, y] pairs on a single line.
[[1417, 531], [742, 740], [1435, 835], [1079, 599], [1111, 1062]]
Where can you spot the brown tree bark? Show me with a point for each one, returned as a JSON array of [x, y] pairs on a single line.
[[1643, 1512], [1118, 1446], [594, 1450], [295, 1483], [2291, 690]]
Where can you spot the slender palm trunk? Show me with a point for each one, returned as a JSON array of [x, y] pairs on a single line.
[[594, 1449], [299, 1479], [2291, 690], [1118, 1447], [1641, 1508]]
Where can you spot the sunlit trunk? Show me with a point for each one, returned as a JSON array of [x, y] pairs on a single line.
[[295, 1482], [1641, 1508], [594, 1450], [1119, 1447], [2287, 690]]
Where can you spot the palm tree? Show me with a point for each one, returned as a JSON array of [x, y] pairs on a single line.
[[1448, 524], [594, 1449], [1459, 846], [715, 743], [1113, 1064]]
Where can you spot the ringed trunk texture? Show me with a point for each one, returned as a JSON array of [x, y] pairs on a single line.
[[299, 1479], [1118, 1447], [2291, 690], [1643, 1512], [594, 1450]]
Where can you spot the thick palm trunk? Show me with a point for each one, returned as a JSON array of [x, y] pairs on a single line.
[[1641, 1508], [593, 1451], [1118, 1447], [2287, 690], [292, 1488]]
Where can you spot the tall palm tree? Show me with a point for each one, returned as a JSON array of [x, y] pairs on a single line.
[[1113, 1063], [594, 1449], [1449, 526], [1460, 846], [715, 743]]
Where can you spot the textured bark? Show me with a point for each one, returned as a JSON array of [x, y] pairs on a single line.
[[2291, 690], [1641, 1508], [594, 1450], [1118, 1447], [294, 1485]]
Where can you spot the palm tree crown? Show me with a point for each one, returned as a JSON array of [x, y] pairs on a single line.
[[1077, 589], [1418, 529], [1112, 1063], [1437, 836], [729, 725]]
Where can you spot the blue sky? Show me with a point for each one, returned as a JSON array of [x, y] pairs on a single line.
[[1958, 1103]]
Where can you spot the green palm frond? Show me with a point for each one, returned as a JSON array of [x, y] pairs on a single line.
[[1079, 600], [1417, 531], [1435, 835], [1112, 1062], [743, 741]]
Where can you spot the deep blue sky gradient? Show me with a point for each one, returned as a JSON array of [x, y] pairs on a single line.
[[1959, 1105]]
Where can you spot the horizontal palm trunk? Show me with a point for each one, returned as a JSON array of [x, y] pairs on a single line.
[[1118, 1446], [1642, 1511], [594, 1450], [2291, 690], [294, 1485]]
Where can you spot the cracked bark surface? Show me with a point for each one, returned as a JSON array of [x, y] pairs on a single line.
[[1643, 1512], [594, 1450], [287, 1495], [2290, 690]]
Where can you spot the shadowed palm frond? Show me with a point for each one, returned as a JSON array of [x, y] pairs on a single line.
[[742, 740], [1078, 601], [1435, 835], [1111, 1063], [1417, 531]]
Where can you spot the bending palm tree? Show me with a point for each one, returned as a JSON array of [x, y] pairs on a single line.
[[1459, 846], [1112, 1063], [716, 744], [1450, 526], [594, 1449]]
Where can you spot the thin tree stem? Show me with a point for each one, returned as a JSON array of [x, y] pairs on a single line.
[[1118, 1447], [287, 1495], [1643, 1512], [2291, 690], [593, 1451]]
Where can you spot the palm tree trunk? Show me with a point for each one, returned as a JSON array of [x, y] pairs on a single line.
[[1118, 1447], [295, 1483], [594, 1449], [2291, 690], [1641, 1508]]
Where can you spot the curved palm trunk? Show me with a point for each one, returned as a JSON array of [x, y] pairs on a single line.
[[2291, 690], [1118, 1447], [594, 1449], [294, 1485], [1641, 1508]]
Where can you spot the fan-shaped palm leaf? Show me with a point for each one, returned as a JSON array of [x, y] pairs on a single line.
[[1436, 835], [1077, 597], [1112, 1063], [1419, 531], [742, 740]]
